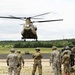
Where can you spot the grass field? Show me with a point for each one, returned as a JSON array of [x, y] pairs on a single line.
[[23, 50], [6, 50]]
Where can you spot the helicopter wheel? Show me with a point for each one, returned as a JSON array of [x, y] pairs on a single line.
[[24, 39]]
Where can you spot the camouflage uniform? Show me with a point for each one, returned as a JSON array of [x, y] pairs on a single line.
[[21, 61], [66, 63], [73, 56], [55, 60], [69, 52], [67, 49], [12, 62], [37, 62]]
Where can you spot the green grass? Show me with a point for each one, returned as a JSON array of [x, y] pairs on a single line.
[[6, 50]]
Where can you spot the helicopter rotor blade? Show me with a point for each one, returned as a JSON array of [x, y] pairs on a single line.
[[48, 21], [41, 14], [23, 18], [36, 18], [13, 17]]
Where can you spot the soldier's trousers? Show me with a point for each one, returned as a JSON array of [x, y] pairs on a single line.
[[18, 70], [35, 65], [56, 68], [11, 69], [66, 68]]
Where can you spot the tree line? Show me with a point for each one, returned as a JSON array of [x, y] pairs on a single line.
[[33, 44]]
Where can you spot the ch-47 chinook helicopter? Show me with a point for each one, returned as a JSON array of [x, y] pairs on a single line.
[[29, 30]]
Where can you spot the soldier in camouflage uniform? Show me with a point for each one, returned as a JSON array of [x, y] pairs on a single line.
[[66, 63], [12, 62], [70, 52], [67, 49], [73, 55], [55, 60], [21, 62], [37, 62]]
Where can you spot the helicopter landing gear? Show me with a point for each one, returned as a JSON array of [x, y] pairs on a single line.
[[24, 39]]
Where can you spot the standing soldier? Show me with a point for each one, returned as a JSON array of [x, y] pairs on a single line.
[[67, 49], [55, 60], [12, 62], [37, 62], [21, 61], [66, 63]]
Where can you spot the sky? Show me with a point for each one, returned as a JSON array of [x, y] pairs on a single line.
[[10, 29]]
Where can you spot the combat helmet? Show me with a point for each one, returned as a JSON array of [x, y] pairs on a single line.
[[67, 47], [18, 51], [12, 50], [54, 48], [37, 49]]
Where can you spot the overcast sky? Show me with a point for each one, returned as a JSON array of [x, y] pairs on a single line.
[[60, 9]]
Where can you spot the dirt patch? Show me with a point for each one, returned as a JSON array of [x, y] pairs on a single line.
[[27, 70], [28, 67]]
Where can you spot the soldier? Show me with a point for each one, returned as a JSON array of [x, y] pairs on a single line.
[[67, 49], [73, 50], [12, 62], [72, 56], [55, 60], [37, 62], [21, 62], [66, 63]]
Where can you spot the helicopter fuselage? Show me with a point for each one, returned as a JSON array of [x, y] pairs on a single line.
[[29, 32]]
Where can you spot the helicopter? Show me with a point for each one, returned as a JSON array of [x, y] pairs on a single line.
[[29, 30]]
